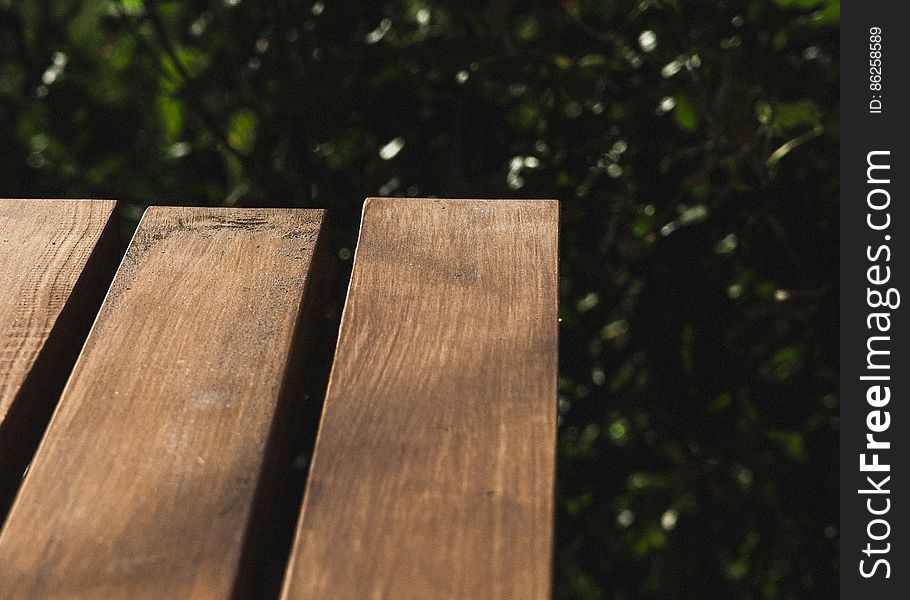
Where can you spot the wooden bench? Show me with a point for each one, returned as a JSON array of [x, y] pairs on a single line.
[[434, 462]]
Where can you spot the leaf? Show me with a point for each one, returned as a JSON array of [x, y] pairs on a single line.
[[684, 113], [171, 111], [592, 60], [789, 115], [189, 64], [527, 29], [525, 117], [792, 441], [562, 61], [242, 131]]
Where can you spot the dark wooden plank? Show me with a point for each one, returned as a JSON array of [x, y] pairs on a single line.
[[433, 470], [56, 261], [152, 467]]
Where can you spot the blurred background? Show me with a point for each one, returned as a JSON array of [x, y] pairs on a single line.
[[693, 146]]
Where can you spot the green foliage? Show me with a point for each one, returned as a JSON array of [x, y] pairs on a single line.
[[693, 146]]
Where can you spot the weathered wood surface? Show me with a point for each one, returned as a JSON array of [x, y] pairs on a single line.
[[146, 481], [56, 260], [433, 471]]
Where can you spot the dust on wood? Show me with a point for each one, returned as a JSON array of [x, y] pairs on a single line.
[[150, 473]]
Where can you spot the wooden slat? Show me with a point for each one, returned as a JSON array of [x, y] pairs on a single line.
[[146, 481], [433, 471], [56, 261]]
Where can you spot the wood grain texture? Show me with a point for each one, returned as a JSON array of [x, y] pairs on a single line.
[[56, 261], [433, 471], [145, 483]]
